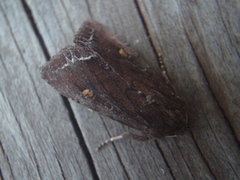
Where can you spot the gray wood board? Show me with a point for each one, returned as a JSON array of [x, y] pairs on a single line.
[[43, 136]]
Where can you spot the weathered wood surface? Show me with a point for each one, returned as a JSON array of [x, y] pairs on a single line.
[[43, 136]]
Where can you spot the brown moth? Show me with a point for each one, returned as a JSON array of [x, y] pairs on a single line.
[[104, 74]]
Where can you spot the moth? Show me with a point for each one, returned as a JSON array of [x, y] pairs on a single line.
[[104, 74]]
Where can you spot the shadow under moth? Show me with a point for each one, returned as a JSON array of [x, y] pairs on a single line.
[[103, 73]]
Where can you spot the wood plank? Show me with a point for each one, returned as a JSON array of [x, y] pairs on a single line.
[[205, 69], [37, 137], [110, 163], [85, 122], [42, 137], [218, 52]]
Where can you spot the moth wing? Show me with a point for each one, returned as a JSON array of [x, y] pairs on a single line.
[[102, 73], [151, 94], [79, 73], [101, 40]]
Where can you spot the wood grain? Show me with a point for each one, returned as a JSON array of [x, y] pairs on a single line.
[[43, 136]]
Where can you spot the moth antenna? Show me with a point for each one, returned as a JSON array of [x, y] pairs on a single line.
[[109, 140], [162, 67]]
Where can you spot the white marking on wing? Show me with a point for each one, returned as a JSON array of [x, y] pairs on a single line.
[[73, 58]]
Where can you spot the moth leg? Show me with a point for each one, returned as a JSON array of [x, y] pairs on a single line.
[[110, 140], [124, 135], [136, 137]]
